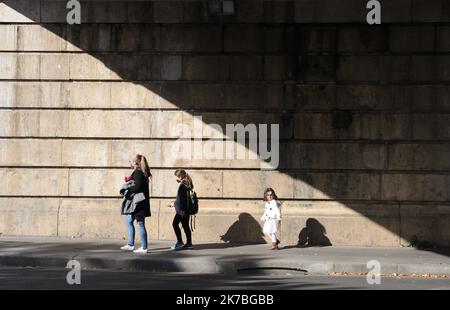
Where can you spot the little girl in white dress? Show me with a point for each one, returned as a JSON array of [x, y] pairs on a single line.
[[271, 217]]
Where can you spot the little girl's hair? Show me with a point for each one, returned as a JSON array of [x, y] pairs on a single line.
[[268, 190]]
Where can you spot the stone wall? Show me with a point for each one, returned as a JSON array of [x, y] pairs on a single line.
[[363, 113]]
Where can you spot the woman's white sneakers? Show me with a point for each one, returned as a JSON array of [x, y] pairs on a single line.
[[127, 248], [130, 248], [141, 251]]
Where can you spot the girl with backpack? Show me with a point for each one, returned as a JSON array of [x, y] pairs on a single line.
[[181, 205]]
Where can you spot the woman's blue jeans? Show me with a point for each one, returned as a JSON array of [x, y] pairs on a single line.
[[131, 231]]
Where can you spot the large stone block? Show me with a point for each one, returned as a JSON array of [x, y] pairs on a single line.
[[195, 12], [443, 97], [166, 124], [30, 152], [423, 68], [55, 11], [244, 38], [127, 38], [340, 11], [243, 96], [19, 123], [204, 96], [11, 123], [358, 68], [332, 186], [28, 66], [430, 11], [88, 67], [304, 11], [8, 91], [9, 35], [168, 11], [275, 39], [139, 95], [8, 66], [29, 216], [191, 39], [250, 11], [424, 97], [443, 38], [40, 38], [55, 67], [52, 94], [206, 68], [53, 123], [399, 69], [246, 68], [278, 11], [175, 95], [132, 124], [415, 187], [385, 126], [89, 37], [106, 11], [87, 182], [30, 94], [311, 68], [332, 156], [86, 153], [406, 39], [166, 67], [90, 94], [304, 39], [310, 97], [419, 156], [398, 11], [373, 97], [338, 125], [274, 68], [430, 126], [33, 182], [442, 70], [363, 39]]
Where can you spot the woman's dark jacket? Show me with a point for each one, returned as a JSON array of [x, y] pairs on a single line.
[[141, 185], [181, 203]]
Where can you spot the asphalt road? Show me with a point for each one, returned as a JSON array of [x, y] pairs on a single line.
[[52, 278]]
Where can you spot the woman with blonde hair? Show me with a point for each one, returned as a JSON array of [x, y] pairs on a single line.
[[141, 175]]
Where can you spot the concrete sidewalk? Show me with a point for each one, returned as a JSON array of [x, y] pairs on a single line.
[[220, 258]]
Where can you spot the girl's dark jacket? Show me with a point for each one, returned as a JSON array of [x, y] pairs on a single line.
[[141, 185]]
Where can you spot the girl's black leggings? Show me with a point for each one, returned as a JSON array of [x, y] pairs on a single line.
[[184, 220]]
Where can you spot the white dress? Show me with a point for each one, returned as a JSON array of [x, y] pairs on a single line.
[[271, 217]]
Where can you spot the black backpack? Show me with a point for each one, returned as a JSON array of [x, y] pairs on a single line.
[[192, 202]]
